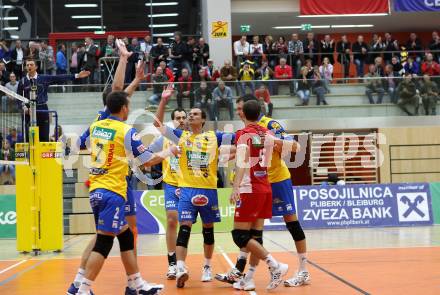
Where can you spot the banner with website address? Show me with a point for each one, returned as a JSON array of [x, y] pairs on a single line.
[[374, 205], [8, 216]]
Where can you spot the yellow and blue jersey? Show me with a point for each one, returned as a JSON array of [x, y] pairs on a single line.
[[113, 143], [278, 170], [102, 115], [170, 165]]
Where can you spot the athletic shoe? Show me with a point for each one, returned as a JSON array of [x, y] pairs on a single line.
[[301, 278], [276, 275], [232, 276], [245, 285], [181, 277], [171, 274], [129, 291], [206, 274], [73, 290], [150, 289]]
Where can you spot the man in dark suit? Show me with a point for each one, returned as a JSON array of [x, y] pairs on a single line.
[[89, 62], [18, 56], [42, 82]]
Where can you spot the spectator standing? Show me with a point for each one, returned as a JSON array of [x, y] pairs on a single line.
[[228, 74], [414, 47], [4, 74], [391, 48], [246, 76], [202, 51], [281, 48], [411, 67], [177, 52], [283, 72], [10, 104], [47, 58], [190, 56], [18, 58], [222, 96], [328, 49], [265, 74], [61, 60], [360, 54], [108, 52], [89, 59], [296, 53], [434, 46], [185, 89], [326, 73], [145, 47], [7, 153], [343, 49], [241, 50], [430, 67], [159, 80], [74, 59], [256, 51], [263, 96], [407, 93], [269, 51], [203, 99], [4, 51], [311, 48], [374, 85], [159, 53], [318, 86], [376, 48], [430, 95], [390, 83], [33, 52]]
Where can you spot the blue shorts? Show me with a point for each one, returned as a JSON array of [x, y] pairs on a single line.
[[108, 210], [283, 202], [171, 199], [201, 201], [130, 205]]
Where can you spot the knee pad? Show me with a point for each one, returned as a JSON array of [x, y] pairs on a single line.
[[103, 244], [208, 236], [126, 240], [257, 235], [183, 236], [241, 237], [296, 231]]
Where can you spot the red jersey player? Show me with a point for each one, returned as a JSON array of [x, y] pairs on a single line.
[[253, 196]]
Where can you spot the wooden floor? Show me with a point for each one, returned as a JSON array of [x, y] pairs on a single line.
[[360, 261]]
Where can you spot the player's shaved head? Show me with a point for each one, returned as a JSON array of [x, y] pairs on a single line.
[[251, 110]]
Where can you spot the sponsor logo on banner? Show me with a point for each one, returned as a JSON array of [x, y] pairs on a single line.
[[8, 216], [200, 200], [416, 5], [364, 205], [219, 29]]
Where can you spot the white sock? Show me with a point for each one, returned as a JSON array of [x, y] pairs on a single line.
[[85, 287], [79, 277], [208, 261], [243, 255], [171, 253], [180, 264], [137, 280], [250, 273], [130, 283], [271, 262], [302, 257]]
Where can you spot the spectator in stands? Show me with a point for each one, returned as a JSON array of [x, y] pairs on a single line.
[[167, 71], [391, 48], [177, 52], [360, 54], [411, 66], [14, 137], [228, 74], [222, 96], [185, 89], [397, 66], [256, 50], [202, 76], [202, 51], [4, 51], [434, 46], [326, 73], [159, 53], [429, 92], [7, 153], [203, 99], [89, 59], [61, 60], [10, 104], [374, 85], [18, 57], [390, 83], [109, 48], [241, 50], [319, 86], [47, 59], [281, 48], [311, 48], [246, 76], [283, 72], [376, 48], [213, 72], [305, 83], [430, 67], [328, 49], [407, 93], [4, 74], [145, 47], [159, 80], [378, 63], [191, 55], [343, 49], [269, 51], [263, 96], [296, 53], [414, 47], [33, 52], [74, 59], [265, 74]]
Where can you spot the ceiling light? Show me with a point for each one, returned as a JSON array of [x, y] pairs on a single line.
[[15, 37], [163, 25], [345, 15], [90, 27], [9, 18], [163, 15], [321, 27], [10, 28], [162, 4], [6, 6], [286, 27], [85, 16], [80, 5], [164, 35], [352, 26]]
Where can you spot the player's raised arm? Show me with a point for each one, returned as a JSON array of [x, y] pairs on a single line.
[[124, 54], [283, 142], [165, 97], [140, 76]]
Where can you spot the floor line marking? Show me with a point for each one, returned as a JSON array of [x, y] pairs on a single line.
[[13, 266]]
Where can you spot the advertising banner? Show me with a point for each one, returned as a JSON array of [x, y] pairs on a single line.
[[416, 5], [8, 216], [330, 7]]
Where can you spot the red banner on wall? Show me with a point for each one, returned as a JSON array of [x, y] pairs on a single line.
[[326, 7]]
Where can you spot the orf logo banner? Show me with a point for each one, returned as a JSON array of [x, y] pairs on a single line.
[[416, 5], [331, 7]]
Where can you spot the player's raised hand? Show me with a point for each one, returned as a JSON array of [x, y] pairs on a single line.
[[83, 74], [140, 69], [123, 52], [167, 93]]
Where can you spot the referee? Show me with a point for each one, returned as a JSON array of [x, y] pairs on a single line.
[[42, 82]]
